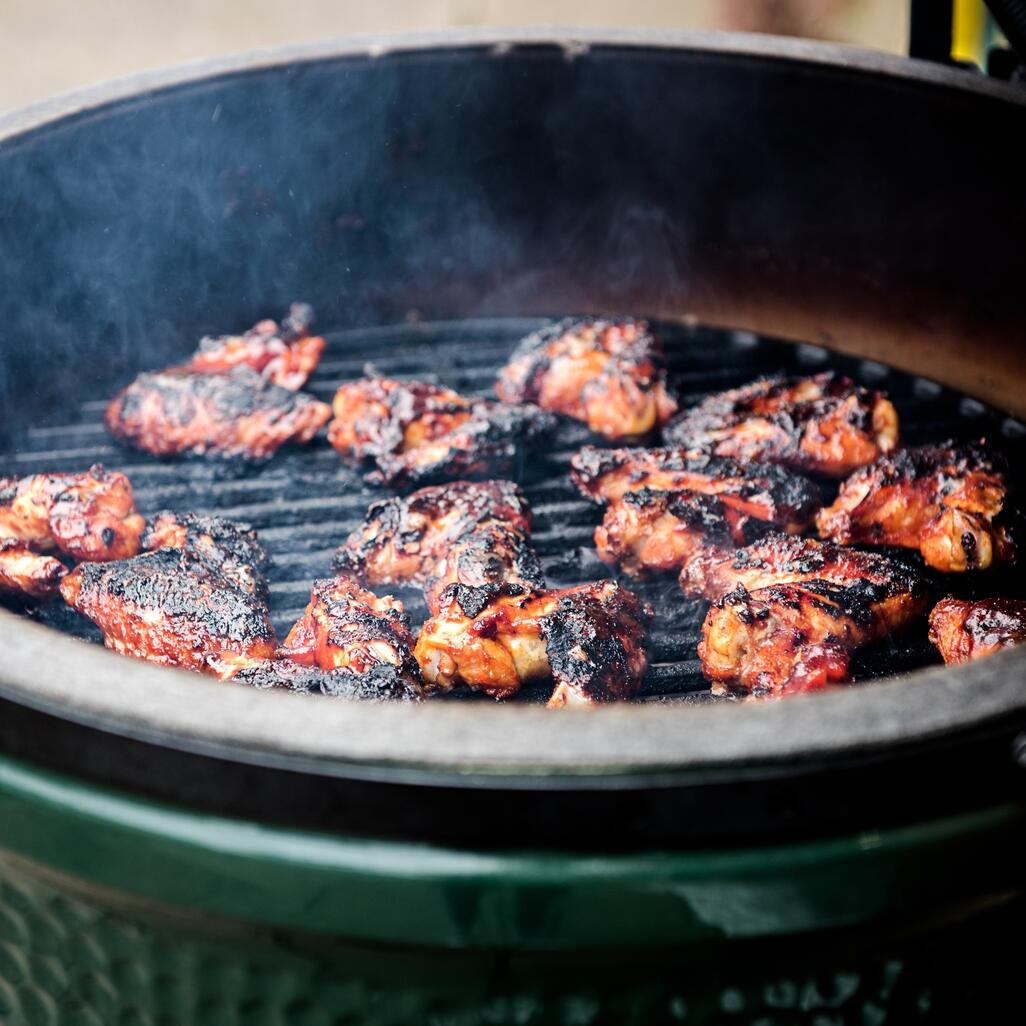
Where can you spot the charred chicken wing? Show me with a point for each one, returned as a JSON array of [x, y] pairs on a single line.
[[27, 574], [790, 611], [347, 628], [763, 492], [87, 516], [825, 424], [475, 533], [940, 499], [416, 432], [590, 640], [382, 681], [285, 355], [971, 630], [231, 549], [173, 608], [237, 413], [609, 374]]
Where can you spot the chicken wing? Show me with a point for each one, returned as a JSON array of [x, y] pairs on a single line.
[[26, 574], [941, 499], [609, 374], [764, 492], [417, 432], [171, 607], [345, 627], [475, 533], [790, 611], [285, 355], [825, 424], [237, 413], [87, 516], [972, 630], [231, 549], [651, 531], [590, 640]]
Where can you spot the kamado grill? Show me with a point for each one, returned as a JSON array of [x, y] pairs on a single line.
[[176, 850]]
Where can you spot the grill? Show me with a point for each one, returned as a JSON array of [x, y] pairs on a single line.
[[304, 502]]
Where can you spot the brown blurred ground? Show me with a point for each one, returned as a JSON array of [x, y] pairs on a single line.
[[49, 46]]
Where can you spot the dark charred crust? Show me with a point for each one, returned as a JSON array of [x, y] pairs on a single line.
[[475, 600], [382, 682], [596, 640], [178, 585]]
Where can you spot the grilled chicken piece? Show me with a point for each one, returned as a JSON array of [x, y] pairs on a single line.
[[772, 494], [171, 607], [963, 631], [790, 611], [347, 628], [87, 516], [825, 424], [237, 413], [651, 531], [941, 499], [382, 681], [590, 640], [231, 549], [609, 374], [27, 574], [464, 532], [285, 355], [416, 432]]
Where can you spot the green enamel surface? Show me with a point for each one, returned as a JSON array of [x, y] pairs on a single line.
[[412, 894]]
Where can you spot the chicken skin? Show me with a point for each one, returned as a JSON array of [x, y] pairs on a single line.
[[609, 374], [475, 533], [347, 628], [87, 516], [825, 424], [589, 640], [231, 549], [417, 433], [768, 493], [285, 355], [788, 612], [651, 532], [940, 499], [963, 631], [237, 413], [171, 607], [25, 574]]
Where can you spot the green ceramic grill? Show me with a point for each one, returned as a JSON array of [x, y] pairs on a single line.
[[178, 851]]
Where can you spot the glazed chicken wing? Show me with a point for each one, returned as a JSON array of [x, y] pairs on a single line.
[[238, 413], [475, 533], [650, 531], [172, 608], [285, 355], [347, 628], [940, 499], [825, 424], [790, 611], [963, 631], [609, 374], [768, 493], [26, 574], [87, 516], [231, 549], [590, 640], [417, 432]]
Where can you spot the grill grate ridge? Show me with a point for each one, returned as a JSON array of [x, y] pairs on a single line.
[[304, 501]]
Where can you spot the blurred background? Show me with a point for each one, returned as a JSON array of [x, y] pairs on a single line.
[[49, 46]]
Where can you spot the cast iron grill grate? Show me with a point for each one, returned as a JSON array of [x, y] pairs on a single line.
[[304, 502]]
